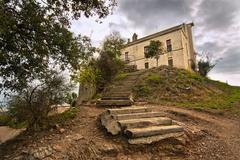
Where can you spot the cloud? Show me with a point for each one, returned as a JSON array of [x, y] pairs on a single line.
[[152, 14], [217, 14], [230, 62], [216, 30]]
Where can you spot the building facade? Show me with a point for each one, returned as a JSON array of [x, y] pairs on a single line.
[[178, 49]]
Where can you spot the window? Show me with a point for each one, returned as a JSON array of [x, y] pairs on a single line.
[[146, 65], [126, 57], [169, 45], [170, 62], [145, 51]]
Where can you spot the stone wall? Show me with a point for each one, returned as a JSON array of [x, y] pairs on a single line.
[[86, 92]]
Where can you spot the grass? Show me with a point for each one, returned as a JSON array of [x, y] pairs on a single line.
[[120, 76], [153, 78], [6, 120], [63, 117], [230, 101], [172, 86]]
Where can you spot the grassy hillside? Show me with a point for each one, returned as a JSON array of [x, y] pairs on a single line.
[[171, 86]]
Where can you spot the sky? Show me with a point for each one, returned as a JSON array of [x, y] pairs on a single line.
[[216, 30]]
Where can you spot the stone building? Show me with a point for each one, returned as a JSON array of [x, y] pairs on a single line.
[[178, 45]]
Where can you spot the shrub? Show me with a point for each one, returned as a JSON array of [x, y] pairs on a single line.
[[71, 98], [142, 90], [33, 104]]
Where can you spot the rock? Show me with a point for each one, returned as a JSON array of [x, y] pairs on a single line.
[[61, 130], [77, 137], [178, 149], [40, 153], [181, 140], [108, 149], [58, 148]]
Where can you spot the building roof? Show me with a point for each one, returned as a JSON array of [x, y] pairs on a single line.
[[166, 31]]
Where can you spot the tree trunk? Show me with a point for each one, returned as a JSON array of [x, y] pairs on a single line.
[[157, 61]]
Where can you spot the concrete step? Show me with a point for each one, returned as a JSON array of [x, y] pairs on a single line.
[[151, 139], [128, 110], [115, 98], [137, 115], [152, 131], [102, 103], [144, 122]]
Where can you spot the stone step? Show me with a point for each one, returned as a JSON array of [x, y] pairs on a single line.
[[120, 89], [128, 110], [102, 103], [115, 98], [144, 122], [117, 94], [137, 115], [152, 131], [128, 81], [151, 139]]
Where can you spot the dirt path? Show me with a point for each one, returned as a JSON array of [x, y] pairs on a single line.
[[7, 133], [212, 137], [225, 139]]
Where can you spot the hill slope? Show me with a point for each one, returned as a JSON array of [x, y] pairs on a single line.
[[172, 86]]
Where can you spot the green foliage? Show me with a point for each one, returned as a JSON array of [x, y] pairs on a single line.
[[142, 90], [33, 104], [206, 64], [108, 66], [109, 63], [34, 38], [63, 117], [71, 98], [204, 67], [153, 79], [155, 49], [113, 44], [7, 120], [87, 74], [120, 76], [4, 119]]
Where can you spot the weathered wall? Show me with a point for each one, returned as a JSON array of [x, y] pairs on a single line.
[[86, 93], [181, 53]]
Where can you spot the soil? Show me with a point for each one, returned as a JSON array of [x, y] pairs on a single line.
[[210, 136]]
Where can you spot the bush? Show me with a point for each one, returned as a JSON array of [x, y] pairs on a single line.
[[108, 67], [71, 98], [142, 90], [32, 105]]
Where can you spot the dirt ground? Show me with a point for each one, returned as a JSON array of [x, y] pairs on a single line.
[[210, 137], [7, 133]]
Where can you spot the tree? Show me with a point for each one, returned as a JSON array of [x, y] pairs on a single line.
[[113, 44], [34, 38], [206, 64], [34, 102], [155, 49]]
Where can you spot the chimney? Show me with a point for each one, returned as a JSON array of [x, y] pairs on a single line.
[[134, 37], [128, 41]]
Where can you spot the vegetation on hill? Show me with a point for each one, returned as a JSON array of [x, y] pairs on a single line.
[[171, 86]]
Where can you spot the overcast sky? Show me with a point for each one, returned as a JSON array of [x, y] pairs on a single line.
[[216, 30]]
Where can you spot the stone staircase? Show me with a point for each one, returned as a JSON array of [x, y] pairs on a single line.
[[120, 92], [140, 124]]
